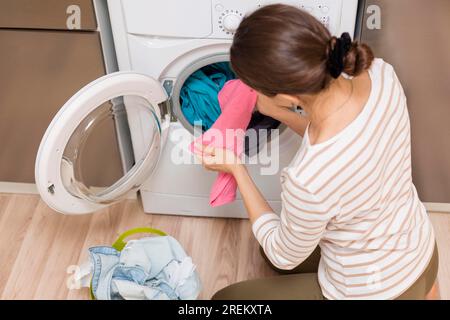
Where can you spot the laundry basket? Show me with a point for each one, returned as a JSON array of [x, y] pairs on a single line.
[[120, 243]]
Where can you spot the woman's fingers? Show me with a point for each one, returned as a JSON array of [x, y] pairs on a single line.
[[205, 150], [215, 159], [209, 150], [209, 163]]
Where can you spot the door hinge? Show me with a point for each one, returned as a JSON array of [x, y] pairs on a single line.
[[166, 106]]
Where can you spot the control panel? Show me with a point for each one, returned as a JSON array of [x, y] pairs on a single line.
[[227, 14]]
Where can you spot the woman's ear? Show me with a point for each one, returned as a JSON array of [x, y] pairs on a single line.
[[290, 99]]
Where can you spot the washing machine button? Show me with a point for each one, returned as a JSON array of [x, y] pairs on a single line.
[[219, 7]]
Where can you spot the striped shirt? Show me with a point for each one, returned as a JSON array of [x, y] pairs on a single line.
[[353, 196]]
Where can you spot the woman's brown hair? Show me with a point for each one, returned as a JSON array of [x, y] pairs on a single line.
[[282, 49]]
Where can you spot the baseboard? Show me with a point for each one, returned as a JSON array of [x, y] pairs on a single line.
[[437, 207], [30, 188], [18, 187]]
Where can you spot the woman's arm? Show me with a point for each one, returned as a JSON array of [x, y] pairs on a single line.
[[301, 222], [254, 201]]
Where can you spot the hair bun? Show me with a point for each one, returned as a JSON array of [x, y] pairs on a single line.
[[345, 55], [358, 59]]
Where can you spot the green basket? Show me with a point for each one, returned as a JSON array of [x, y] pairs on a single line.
[[120, 243]]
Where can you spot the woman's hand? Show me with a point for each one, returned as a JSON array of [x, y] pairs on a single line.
[[218, 159], [224, 160]]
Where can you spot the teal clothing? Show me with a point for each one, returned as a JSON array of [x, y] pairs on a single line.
[[199, 93]]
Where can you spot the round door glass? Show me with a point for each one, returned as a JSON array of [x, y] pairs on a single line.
[[98, 159]]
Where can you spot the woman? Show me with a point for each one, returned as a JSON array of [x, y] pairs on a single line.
[[352, 225]]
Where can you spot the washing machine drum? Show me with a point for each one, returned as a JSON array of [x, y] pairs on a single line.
[[199, 93], [199, 103]]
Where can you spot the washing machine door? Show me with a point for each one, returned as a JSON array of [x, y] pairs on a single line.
[[61, 173]]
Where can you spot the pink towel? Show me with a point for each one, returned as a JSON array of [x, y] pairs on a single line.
[[237, 102]]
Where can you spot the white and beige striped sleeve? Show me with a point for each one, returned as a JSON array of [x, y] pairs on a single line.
[[290, 238]]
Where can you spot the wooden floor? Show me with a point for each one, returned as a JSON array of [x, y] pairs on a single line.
[[37, 246]]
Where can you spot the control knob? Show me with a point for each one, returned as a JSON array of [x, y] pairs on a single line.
[[231, 22]]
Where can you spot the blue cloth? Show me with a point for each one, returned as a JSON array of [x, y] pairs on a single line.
[[154, 268], [199, 102]]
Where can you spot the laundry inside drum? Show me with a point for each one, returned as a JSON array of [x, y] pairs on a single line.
[[198, 95], [200, 106]]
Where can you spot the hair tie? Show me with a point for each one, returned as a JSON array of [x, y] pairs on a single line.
[[337, 54]]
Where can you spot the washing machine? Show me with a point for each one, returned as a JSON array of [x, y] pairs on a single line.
[[158, 46]]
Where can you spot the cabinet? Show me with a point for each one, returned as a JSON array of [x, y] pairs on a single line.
[[42, 64]]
